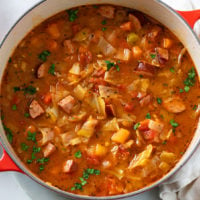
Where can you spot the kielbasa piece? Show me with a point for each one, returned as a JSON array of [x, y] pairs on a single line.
[[162, 54], [67, 103], [35, 109], [49, 149], [41, 70], [70, 166], [145, 69]]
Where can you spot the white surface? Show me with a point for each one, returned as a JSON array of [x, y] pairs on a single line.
[[19, 187]]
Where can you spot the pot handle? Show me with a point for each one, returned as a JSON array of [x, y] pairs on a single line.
[[190, 16], [7, 164]]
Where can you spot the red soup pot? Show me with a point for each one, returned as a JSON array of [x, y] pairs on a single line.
[[180, 23]]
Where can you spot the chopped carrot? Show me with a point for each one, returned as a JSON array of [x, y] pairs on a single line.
[[127, 26], [53, 30], [144, 125], [52, 45], [47, 98], [167, 43], [137, 51]]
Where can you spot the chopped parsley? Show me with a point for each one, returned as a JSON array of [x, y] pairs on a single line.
[[52, 69], [111, 64], [29, 90], [24, 146], [164, 142], [43, 55], [16, 89], [104, 29], [86, 175], [136, 126], [36, 149], [9, 133], [174, 125], [153, 56], [148, 116], [159, 100], [172, 69], [10, 60], [14, 107], [104, 22], [27, 115], [181, 90], [190, 80], [194, 107], [42, 160], [72, 15], [41, 167], [78, 154], [31, 136]]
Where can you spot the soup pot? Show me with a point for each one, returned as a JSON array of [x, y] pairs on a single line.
[[174, 20]]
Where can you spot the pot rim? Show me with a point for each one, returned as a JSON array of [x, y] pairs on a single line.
[[30, 174]]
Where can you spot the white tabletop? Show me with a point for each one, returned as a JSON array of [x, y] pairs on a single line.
[[14, 186]]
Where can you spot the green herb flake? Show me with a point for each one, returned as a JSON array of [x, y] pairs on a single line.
[[83, 181], [42, 160], [24, 146], [31, 136], [153, 56], [72, 15], [77, 186], [10, 60], [172, 69], [29, 161], [164, 142], [52, 69], [78, 154], [29, 90], [41, 167], [194, 107], [173, 123], [95, 6], [181, 90], [27, 115], [186, 88], [111, 64], [16, 89], [136, 126], [159, 100], [43, 55], [36, 149], [9, 133], [104, 22], [14, 107], [148, 116], [104, 29]]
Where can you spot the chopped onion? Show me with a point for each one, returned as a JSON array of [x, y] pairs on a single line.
[[123, 54], [111, 125], [180, 56], [75, 69], [106, 92], [82, 35], [79, 92]]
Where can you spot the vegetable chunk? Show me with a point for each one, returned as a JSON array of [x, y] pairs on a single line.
[[120, 136], [35, 109], [67, 103]]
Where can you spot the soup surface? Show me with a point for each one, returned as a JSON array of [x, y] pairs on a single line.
[[100, 100]]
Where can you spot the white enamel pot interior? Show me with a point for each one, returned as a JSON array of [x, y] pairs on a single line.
[[48, 8]]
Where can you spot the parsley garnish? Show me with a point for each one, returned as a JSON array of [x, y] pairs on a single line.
[[43, 56], [16, 89], [181, 90], [153, 56], [72, 15], [148, 116], [9, 133], [190, 80], [159, 100], [194, 107], [78, 154], [36, 149], [10, 60], [104, 29], [186, 88], [52, 69], [172, 69], [136, 126], [31, 136], [111, 64], [41, 167], [14, 107], [27, 115], [42, 160], [174, 125], [29, 90], [24, 146], [164, 142], [104, 22]]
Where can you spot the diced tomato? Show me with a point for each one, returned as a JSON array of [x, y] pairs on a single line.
[[47, 98], [129, 107], [93, 160], [76, 28], [149, 135], [127, 26], [144, 125]]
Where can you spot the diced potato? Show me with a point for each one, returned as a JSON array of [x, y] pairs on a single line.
[[80, 92], [100, 150], [156, 126], [164, 166], [53, 30], [120, 136], [137, 51], [168, 157], [167, 43]]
